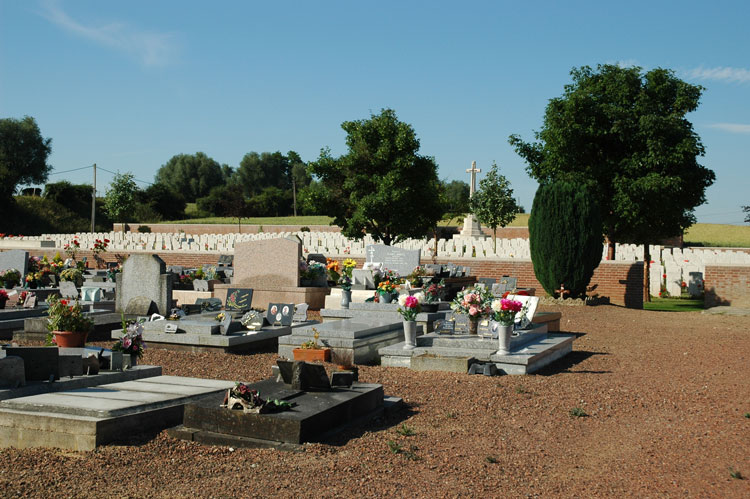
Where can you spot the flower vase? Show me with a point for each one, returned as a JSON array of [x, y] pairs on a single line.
[[129, 360], [346, 298], [70, 339], [410, 335], [504, 333], [473, 326], [133, 359], [2, 302], [116, 361], [386, 297]]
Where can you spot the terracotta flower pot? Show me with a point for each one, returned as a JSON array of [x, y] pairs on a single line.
[[312, 354], [70, 339]]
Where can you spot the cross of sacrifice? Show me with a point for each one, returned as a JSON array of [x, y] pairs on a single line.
[[473, 170]]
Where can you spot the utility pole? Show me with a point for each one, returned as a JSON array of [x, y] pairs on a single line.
[[93, 202]]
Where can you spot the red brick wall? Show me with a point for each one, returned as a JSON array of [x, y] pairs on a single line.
[[727, 284], [622, 282]]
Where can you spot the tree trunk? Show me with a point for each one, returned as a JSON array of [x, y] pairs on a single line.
[[239, 225], [434, 253], [646, 273]]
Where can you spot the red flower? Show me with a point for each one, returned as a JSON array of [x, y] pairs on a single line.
[[63, 302]]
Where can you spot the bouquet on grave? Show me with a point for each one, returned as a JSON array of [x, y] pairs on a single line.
[[247, 399], [475, 302], [433, 291], [333, 268], [311, 271], [504, 310], [62, 316], [345, 279], [131, 341], [410, 305]]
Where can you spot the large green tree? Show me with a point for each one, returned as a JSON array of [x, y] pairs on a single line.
[[381, 186], [493, 202], [120, 199], [456, 198], [192, 175], [260, 170], [75, 197], [23, 158], [624, 134]]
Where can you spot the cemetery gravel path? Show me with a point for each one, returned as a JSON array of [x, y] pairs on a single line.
[[667, 397]]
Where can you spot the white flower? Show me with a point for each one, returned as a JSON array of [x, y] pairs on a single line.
[[497, 305], [419, 296], [402, 299]]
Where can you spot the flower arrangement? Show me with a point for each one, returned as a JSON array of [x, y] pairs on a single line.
[[63, 316], [242, 397], [22, 296], [10, 277], [71, 249], [504, 311], [415, 278], [345, 280], [433, 292], [474, 302], [132, 339], [410, 305], [72, 275], [386, 286], [313, 343], [333, 268], [220, 316], [311, 271], [3, 297], [100, 246]]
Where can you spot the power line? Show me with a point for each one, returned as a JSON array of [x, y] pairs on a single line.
[[137, 180], [73, 170]]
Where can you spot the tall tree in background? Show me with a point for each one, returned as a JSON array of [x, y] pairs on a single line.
[[493, 202], [119, 202], [381, 186], [746, 209], [192, 175], [624, 134], [23, 160], [455, 198]]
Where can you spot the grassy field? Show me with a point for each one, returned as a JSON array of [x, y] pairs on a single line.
[[716, 235], [674, 305], [737, 236]]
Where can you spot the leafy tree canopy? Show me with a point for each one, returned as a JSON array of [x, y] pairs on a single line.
[[192, 175], [165, 203], [120, 200], [624, 134], [23, 155], [381, 186], [456, 198], [493, 202], [75, 197]]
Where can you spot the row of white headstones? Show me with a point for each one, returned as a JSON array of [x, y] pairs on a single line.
[[673, 268]]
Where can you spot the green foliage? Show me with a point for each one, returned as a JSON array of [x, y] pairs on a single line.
[[23, 155], [746, 209], [168, 204], [491, 459], [258, 171], [395, 447], [747, 415], [34, 215], [192, 175], [674, 305], [405, 431], [64, 315], [493, 202], [75, 197], [624, 134], [577, 412], [144, 229], [120, 200], [381, 185], [455, 198], [565, 237]]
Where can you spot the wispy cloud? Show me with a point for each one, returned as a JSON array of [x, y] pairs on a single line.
[[150, 48], [731, 127], [729, 74]]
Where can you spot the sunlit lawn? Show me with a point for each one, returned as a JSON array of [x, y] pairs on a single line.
[[674, 304]]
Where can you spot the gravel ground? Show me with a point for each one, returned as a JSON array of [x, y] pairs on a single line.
[[666, 395]]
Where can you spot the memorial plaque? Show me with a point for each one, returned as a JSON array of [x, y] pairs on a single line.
[[239, 299], [68, 290], [30, 302], [280, 313], [200, 285], [209, 304], [510, 282], [445, 327], [300, 312], [170, 327], [393, 258], [461, 321], [253, 320], [434, 269]]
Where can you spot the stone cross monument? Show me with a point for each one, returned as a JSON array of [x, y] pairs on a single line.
[[471, 224]]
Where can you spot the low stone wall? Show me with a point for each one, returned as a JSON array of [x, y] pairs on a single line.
[[727, 284], [621, 282], [225, 228]]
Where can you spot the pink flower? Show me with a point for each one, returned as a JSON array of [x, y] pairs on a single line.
[[411, 302], [473, 310], [126, 343]]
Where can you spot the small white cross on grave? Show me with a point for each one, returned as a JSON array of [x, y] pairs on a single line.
[[473, 185], [370, 254]]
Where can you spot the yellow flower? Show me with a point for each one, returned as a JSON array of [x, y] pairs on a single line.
[[350, 263]]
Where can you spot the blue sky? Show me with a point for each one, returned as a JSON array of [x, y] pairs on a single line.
[[127, 85]]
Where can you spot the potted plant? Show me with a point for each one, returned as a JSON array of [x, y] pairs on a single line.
[[475, 303], [432, 295], [409, 307], [129, 348], [310, 351], [312, 274], [502, 318], [72, 275], [67, 325], [345, 281], [10, 278], [389, 279]]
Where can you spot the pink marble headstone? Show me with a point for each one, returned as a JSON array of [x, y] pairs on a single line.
[[269, 263]]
